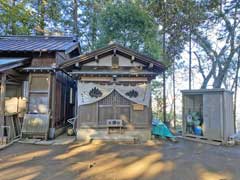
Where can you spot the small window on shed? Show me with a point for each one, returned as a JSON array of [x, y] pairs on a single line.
[[115, 62]]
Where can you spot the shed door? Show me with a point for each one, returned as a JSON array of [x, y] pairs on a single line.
[[114, 106], [212, 116]]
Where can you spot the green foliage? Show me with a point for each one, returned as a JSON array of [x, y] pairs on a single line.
[[176, 17], [15, 18], [47, 15], [129, 24]]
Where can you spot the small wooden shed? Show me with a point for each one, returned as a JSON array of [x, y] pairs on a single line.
[[113, 84], [208, 113], [47, 89], [12, 103]]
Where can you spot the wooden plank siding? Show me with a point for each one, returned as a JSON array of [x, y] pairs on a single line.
[[2, 101], [45, 62]]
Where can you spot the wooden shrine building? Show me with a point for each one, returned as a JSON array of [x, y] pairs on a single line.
[[33, 87], [113, 90]]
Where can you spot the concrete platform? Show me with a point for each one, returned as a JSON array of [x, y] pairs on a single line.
[[88, 134], [60, 140]]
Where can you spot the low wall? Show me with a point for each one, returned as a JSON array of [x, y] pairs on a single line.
[[86, 134]]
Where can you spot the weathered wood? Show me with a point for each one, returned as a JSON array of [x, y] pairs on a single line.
[[96, 79], [60, 57], [2, 101], [53, 100], [132, 79], [87, 115], [45, 62], [140, 118], [202, 140], [107, 62], [63, 108], [109, 79]]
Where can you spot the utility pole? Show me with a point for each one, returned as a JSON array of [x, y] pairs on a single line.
[[190, 51], [174, 96], [235, 94], [190, 59]]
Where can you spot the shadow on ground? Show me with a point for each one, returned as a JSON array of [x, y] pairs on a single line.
[[182, 161]]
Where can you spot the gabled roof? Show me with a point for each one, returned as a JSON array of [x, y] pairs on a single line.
[[118, 49], [10, 63], [36, 43]]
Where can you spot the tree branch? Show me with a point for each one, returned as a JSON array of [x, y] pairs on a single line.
[[200, 65]]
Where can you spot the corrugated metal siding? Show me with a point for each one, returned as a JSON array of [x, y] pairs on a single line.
[[35, 125]]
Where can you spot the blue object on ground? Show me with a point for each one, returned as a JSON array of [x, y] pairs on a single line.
[[198, 131], [160, 129]]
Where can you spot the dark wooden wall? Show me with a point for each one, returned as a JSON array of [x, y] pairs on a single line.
[[63, 108]]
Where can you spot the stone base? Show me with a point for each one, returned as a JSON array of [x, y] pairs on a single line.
[[87, 134]]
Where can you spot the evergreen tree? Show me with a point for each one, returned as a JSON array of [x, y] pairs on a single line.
[[15, 17], [129, 24]]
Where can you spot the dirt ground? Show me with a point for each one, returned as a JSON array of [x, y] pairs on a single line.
[[184, 160]]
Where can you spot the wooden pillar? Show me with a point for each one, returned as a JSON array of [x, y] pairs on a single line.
[[2, 101], [53, 100]]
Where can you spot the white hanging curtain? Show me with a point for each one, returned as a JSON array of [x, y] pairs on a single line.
[[91, 92]]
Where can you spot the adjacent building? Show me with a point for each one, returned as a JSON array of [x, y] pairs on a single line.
[[33, 87]]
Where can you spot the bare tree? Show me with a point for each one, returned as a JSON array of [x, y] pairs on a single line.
[[219, 60]]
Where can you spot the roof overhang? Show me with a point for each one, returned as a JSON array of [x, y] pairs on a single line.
[[114, 49], [7, 63]]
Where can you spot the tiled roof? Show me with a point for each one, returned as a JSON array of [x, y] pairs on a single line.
[[36, 43]]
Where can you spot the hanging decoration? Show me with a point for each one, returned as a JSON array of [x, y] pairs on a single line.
[[95, 92], [92, 92], [132, 94]]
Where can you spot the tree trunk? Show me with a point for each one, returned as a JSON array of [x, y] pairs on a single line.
[[41, 14], [13, 23], [206, 80], [220, 77], [164, 98], [164, 73], [174, 97], [93, 25], [75, 18], [235, 94]]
